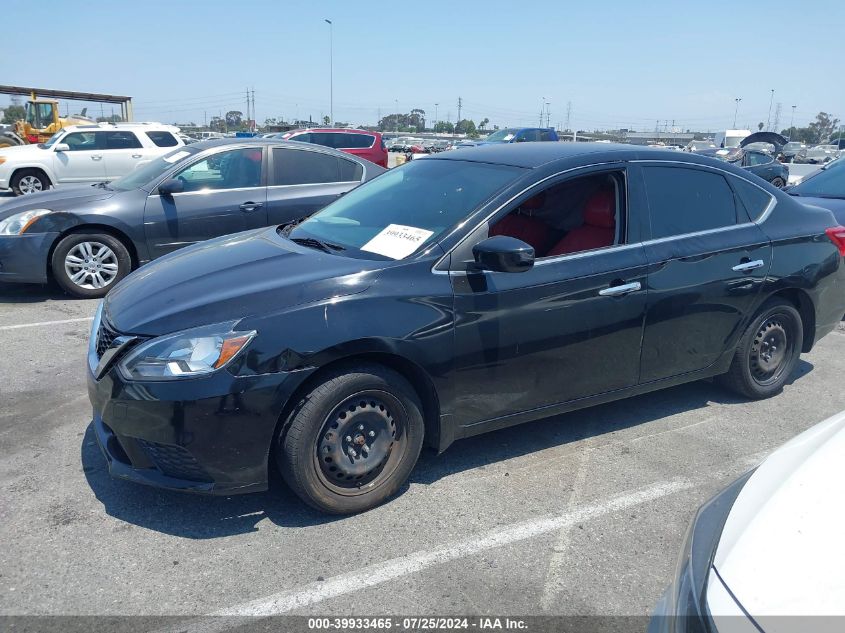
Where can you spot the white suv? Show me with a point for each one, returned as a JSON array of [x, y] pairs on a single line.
[[84, 154]]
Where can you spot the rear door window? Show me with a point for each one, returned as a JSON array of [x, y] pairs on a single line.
[[298, 167], [683, 200], [121, 140]]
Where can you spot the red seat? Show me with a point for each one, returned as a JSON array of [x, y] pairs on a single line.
[[526, 227], [598, 230]]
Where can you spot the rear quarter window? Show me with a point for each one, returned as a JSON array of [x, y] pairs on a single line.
[[753, 199], [683, 200], [163, 139]]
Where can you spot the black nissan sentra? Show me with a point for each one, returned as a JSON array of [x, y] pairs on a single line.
[[461, 293]]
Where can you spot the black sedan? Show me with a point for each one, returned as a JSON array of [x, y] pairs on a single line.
[[89, 237], [759, 163], [463, 293], [824, 188]]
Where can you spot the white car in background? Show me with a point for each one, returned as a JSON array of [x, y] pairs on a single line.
[[767, 554], [80, 154]]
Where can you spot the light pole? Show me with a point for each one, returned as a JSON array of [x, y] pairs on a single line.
[[769, 119], [791, 122], [435, 117], [736, 109], [331, 71], [397, 115]]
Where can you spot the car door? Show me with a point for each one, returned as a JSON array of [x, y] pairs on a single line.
[[707, 263], [83, 159], [304, 180], [122, 152], [224, 192], [568, 328]]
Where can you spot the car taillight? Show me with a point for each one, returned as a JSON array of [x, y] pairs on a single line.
[[32, 138], [837, 236]]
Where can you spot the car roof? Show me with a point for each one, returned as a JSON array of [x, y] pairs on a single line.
[[120, 127], [274, 142], [333, 130], [533, 155]]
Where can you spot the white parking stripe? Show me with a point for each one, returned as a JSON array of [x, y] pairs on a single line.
[[44, 323], [316, 592]]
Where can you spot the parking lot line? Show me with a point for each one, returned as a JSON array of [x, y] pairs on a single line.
[[44, 323], [315, 592]]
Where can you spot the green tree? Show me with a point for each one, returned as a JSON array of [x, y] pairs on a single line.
[[217, 124], [13, 113], [483, 123], [417, 119], [442, 127], [466, 126], [326, 120], [823, 127], [234, 119]]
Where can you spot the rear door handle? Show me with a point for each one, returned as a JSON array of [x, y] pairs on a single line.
[[745, 267], [248, 207], [618, 291], [136, 155], [96, 158]]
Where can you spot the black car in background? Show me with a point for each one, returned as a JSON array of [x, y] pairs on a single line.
[[824, 188], [758, 162], [90, 237], [466, 292]]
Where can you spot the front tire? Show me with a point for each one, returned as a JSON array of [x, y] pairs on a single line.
[[778, 182], [27, 181], [88, 265], [353, 439], [767, 353]]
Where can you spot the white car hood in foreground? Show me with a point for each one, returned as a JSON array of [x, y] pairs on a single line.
[[782, 549], [23, 152]]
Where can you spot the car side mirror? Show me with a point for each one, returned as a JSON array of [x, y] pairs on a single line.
[[503, 254], [171, 186], [61, 147]]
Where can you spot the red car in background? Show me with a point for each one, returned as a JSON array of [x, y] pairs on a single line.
[[368, 145]]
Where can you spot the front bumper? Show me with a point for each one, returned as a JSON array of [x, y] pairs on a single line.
[[24, 258], [209, 435]]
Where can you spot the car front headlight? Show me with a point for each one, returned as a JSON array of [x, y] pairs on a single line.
[[188, 354], [18, 223], [686, 608]]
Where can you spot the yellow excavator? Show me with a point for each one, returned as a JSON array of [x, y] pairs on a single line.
[[42, 120]]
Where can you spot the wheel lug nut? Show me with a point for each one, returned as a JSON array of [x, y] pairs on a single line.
[[372, 433], [348, 438], [351, 452], [360, 427]]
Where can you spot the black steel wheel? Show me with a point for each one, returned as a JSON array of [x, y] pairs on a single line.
[[768, 351], [352, 439]]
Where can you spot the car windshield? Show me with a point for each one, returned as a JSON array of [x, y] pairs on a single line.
[[152, 170], [828, 182], [405, 209], [501, 136], [52, 140]]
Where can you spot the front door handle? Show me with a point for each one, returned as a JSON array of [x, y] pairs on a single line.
[[96, 158], [745, 267], [618, 291], [136, 155], [248, 207]]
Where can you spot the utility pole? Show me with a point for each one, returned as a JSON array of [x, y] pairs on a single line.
[[776, 122], [331, 72], [460, 105], [396, 116], [736, 109], [205, 118], [247, 104], [791, 123], [568, 113], [769, 118], [435, 116]]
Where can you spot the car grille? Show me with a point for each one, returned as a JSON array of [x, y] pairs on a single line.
[[105, 337], [174, 461]]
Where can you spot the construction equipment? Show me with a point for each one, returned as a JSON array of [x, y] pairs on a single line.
[[42, 118]]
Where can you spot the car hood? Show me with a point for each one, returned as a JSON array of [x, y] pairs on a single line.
[[229, 278], [23, 152], [59, 199], [781, 549]]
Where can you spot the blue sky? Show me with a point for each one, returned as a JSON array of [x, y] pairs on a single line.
[[619, 63]]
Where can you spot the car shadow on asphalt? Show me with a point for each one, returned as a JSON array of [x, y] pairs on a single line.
[[205, 517], [34, 293]]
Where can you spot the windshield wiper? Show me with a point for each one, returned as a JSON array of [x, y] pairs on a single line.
[[313, 242]]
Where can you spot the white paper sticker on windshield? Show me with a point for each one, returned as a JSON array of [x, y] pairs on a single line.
[[177, 156], [397, 241]]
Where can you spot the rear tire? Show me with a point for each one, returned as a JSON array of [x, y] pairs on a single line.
[[778, 182], [352, 440], [88, 265], [767, 353], [27, 181]]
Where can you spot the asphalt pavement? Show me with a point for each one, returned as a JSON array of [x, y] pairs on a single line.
[[579, 514]]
